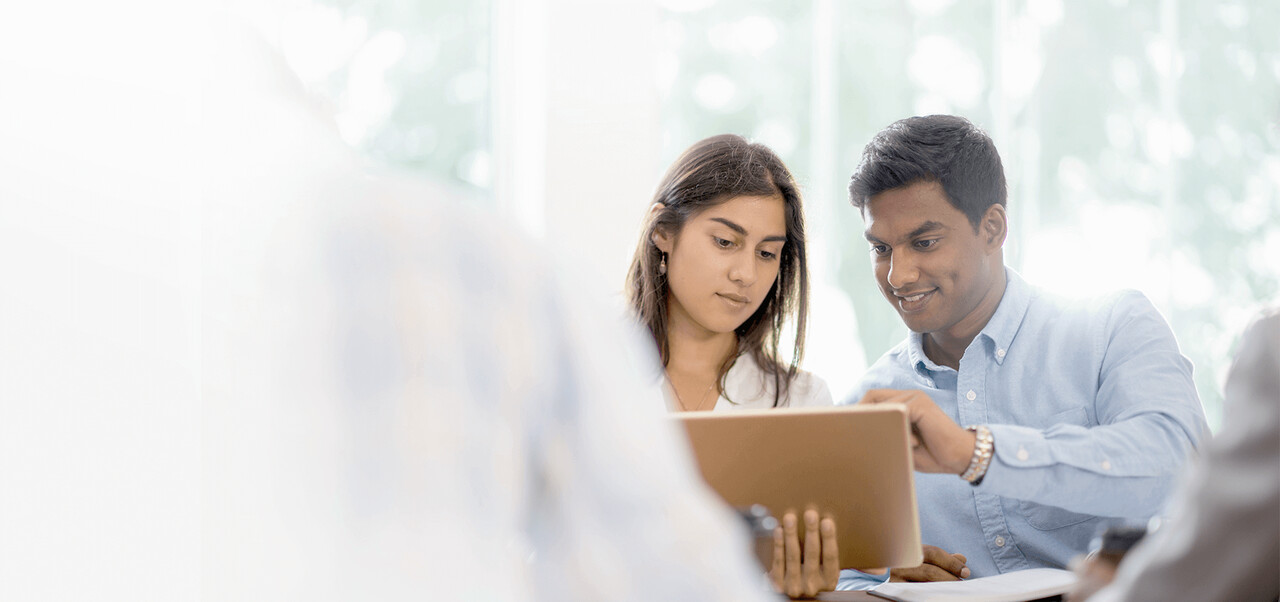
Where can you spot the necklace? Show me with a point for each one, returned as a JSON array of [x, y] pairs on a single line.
[[701, 400]]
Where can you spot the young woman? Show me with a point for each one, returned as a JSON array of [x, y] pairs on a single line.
[[719, 270]]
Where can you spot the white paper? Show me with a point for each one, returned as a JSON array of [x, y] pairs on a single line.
[[1009, 587]]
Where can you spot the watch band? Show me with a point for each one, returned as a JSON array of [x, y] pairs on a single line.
[[983, 448]]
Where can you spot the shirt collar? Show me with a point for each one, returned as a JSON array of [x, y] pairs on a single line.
[[1004, 324], [1000, 329], [915, 352]]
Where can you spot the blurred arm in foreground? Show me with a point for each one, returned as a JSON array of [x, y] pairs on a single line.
[[403, 401]]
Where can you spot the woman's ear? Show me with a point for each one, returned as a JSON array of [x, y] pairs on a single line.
[[661, 237], [995, 227]]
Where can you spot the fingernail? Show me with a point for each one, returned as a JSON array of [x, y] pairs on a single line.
[[964, 573]]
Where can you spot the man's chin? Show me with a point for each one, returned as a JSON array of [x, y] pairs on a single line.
[[916, 323]]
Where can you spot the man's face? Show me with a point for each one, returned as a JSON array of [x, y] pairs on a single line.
[[930, 264]]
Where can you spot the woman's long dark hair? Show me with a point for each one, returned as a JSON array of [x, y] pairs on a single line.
[[711, 172]]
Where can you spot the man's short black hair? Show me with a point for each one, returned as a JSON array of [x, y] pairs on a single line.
[[946, 149]]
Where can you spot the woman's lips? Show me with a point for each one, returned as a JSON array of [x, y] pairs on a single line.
[[735, 301]]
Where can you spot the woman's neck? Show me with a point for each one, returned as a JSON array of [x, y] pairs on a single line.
[[694, 358], [696, 351]]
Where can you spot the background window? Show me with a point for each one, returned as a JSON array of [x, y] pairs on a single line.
[[1139, 137]]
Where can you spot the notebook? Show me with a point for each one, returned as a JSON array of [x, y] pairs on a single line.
[[1018, 586]]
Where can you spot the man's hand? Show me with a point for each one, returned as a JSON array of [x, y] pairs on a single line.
[[816, 569], [938, 566], [938, 443]]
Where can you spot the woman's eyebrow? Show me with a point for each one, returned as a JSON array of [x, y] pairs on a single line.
[[732, 226], [743, 231]]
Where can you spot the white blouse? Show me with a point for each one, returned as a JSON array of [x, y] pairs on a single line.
[[751, 388]]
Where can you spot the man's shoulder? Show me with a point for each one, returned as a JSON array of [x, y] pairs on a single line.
[[1090, 313]]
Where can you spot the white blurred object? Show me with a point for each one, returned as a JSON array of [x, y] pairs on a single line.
[[402, 401], [235, 365], [99, 327]]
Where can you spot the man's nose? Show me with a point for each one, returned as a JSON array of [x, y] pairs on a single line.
[[902, 270]]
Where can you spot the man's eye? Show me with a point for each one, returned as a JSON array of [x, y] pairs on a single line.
[[925, 244], [879, 249]]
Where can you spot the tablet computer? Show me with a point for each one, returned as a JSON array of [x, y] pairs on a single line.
[[851, 462]]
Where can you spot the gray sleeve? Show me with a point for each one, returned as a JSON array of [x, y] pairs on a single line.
[[1223, 538]]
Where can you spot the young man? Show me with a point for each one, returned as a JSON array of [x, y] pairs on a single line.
[[1037, 418]]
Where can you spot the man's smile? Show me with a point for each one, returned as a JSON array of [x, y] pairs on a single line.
[[914, 301]]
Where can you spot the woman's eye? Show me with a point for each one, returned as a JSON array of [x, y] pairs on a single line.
[[768, 255], [722, 243]]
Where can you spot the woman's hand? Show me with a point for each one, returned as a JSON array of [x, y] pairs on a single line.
[[815, 568], [938, 565]]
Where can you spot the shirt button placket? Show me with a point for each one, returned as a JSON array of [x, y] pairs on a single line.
[[973, 410]]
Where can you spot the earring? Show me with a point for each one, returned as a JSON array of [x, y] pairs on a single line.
[[662, 267]]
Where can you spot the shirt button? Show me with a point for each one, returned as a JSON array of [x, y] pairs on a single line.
[[971, 395], [999, 542], [1000, 353], [1023, 455], [1106, 464]]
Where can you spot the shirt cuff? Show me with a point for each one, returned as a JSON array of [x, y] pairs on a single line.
[[1017, 447], [855, 580]]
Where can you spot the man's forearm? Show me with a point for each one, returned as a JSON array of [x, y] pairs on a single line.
[[1123, 470]]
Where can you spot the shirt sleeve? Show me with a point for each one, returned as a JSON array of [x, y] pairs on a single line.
[[1150, 420], [818, 393], [1220, 542]]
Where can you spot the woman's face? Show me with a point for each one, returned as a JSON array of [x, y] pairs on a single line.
[[723, 262]]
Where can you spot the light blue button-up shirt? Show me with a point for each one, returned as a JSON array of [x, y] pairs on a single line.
[[1093, 411]]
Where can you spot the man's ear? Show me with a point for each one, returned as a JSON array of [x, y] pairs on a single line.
[[994, 227]]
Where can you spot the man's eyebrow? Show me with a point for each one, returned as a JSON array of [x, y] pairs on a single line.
[[926, 228], [732, 226], [922, 229]]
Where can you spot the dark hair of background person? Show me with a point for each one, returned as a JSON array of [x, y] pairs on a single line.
[[711, 172], [946, 149]]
